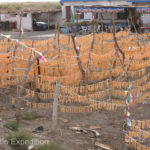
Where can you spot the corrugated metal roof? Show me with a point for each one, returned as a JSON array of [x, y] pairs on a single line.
[[138, 1], [30, 11], [62, 1]]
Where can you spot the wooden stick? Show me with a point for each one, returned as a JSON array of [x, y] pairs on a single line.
[[27, 70], [117, 48], [55, 105], [110, 80], [78, 58]]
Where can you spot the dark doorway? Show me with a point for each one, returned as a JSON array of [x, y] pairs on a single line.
[[68, 17], [134, 15]]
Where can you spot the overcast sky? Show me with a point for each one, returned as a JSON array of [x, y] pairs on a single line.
[[27, 0]]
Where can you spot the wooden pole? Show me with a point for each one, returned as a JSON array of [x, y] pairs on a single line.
[[117, 48], [55, 105], [48, 21], [39, 77], [20, 27], [110, 80], [101, 17], [18, 112], [16, 46], [30, 62], [89, 57], [58, 39], [78, 58]]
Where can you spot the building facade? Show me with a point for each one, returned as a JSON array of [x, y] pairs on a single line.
[[138, 11], [142, 13], [14, 18], [85, 9]]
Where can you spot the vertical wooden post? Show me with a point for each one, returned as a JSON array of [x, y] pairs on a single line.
[[17, 87], [16, 46], [58, 39], [101, 17], [30, 62], [58, 47], [55, 105], [77, 21], [18, 103], [39, 77], [48, 20], [20, 26], [110, 80]]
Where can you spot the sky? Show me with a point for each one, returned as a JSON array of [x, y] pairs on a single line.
[[27, 0]]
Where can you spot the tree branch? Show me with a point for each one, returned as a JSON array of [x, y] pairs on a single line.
[[117, 48]]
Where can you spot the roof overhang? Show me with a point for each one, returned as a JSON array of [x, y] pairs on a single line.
[[138, 1]]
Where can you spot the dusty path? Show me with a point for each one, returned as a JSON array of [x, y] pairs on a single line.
[[34, 35]]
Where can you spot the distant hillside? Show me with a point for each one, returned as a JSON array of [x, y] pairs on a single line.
[[29, 6]]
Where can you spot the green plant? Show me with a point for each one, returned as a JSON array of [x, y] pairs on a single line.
[[83, 23], [95, 90], [50, 146], [114, 97], [30, 115], [80, 32], [12, 125], [19, 140]]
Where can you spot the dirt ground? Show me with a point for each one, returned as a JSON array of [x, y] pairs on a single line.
[[33, 35], [110, 123]]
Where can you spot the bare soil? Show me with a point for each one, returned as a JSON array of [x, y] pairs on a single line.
[[110, 123]]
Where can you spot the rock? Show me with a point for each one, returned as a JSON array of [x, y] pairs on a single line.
[[30, 147], [78, 129], [144, 103], [78, 132], [39, 129]]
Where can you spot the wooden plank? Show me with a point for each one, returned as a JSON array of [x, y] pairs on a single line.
[[106, 147]]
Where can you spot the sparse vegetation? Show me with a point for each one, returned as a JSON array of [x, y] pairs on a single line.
[[19, 140], [50, 146], [29, 6], [115, 97], [30, 115], [12, 125]]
